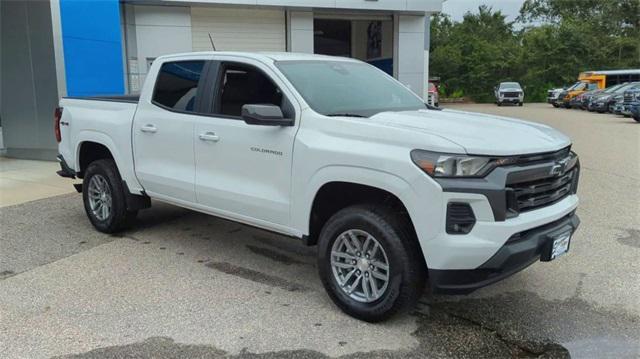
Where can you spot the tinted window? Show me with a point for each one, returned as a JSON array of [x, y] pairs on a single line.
[[177, 85], [242, 85]]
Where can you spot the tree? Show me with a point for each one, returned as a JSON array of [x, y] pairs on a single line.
[[556, 40]]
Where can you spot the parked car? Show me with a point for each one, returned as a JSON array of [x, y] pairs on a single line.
[[509, 92], [635, 110], [576, 102], [586, 97], [630, 96], [553, 95], [433, 98], [575, 90], [612, 101], [594, 105], [337, 153]]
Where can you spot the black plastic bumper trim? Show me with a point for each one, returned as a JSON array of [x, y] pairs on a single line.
[[519, 252], [65, 170]]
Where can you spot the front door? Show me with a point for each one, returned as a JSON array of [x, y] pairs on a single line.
[[163, 131], [244, 171]]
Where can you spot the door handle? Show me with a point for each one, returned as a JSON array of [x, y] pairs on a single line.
[[149, 128], [209, 136]]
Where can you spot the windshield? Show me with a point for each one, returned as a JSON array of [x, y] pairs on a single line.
[[573, 87], [506, 85], [612, 88], [348, 88]]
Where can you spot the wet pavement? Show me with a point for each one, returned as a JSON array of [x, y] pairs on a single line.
[[185, 285]]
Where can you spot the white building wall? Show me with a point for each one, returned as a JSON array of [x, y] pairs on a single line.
[[300, 26], [152, 31], [409, 60]]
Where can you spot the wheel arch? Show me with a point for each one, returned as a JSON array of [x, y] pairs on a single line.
[[337, 187], [103, 146]]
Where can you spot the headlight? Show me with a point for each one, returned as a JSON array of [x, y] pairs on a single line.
[[453, 165]]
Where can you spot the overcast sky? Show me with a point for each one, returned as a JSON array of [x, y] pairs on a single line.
[[457, 8]]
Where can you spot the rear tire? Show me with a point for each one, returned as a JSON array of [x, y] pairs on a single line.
[[103, 194], [396, 244], [499, 103], [520, 104], [637, 119]]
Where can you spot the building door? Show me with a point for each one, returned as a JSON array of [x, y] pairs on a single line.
[[238, 29], [366, 38]]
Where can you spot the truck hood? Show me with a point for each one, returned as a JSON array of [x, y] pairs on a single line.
[[477, 133]]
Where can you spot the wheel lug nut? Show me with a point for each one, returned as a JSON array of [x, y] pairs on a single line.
[[366, 274], [358, 272], [354, 262], [371, 267], [358, 254]]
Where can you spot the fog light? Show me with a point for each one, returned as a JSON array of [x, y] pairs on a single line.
[[460, 218]]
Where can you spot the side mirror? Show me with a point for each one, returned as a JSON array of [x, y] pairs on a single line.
[[264, 115]]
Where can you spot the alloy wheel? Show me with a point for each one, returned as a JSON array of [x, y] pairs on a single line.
[[360, 265]]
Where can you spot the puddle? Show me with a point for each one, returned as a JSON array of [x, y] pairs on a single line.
[[6, 274], [256, 276], [273, 255], [631, 237], [512, 325]]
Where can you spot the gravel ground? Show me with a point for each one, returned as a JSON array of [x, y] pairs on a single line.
[[185, 285]]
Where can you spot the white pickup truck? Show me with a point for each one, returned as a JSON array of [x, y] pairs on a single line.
[[395, 193]]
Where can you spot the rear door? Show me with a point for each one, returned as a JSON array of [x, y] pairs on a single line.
[[244, 171], [163, 131]]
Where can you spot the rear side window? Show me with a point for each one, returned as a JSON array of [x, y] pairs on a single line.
[[177, 85]]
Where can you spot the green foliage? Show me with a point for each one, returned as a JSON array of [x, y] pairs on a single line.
[[548, 45]]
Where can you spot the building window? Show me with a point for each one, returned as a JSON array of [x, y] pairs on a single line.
[[177, 85]]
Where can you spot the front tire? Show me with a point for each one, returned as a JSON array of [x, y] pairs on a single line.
[[370, 262], [520, 104], [104, 200]]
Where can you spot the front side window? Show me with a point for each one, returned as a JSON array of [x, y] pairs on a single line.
[[177, 85], [244, 85], [348, 88]]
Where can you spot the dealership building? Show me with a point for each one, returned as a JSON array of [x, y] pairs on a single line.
[[56, 48]]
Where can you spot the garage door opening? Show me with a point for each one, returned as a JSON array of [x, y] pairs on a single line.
[[367, 40]]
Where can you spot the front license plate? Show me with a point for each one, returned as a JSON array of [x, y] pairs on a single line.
[[560, 245]]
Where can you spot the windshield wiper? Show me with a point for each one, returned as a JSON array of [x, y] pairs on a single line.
[[345, 115]]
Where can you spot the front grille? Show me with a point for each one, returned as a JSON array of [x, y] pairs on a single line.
[[510, 94], [628, 97], [543, 192]]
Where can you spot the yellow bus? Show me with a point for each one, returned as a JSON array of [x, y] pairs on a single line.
[[592, 80]]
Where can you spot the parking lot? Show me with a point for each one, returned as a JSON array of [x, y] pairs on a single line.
[[185, 285]]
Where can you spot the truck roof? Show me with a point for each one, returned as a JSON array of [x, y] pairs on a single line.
[[269, 56]]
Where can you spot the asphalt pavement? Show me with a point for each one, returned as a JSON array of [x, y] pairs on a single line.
[[181, 284]]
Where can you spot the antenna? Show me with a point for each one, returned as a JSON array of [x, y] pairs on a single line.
[[212, 45]]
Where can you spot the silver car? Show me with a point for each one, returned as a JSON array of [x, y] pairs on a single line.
[[509, 92]]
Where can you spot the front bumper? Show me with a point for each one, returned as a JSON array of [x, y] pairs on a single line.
[[511, 99], [520, 251]]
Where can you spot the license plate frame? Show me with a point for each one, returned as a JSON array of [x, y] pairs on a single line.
[[557, 245]]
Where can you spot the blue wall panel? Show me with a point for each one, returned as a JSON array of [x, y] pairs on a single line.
[[92, 47]]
